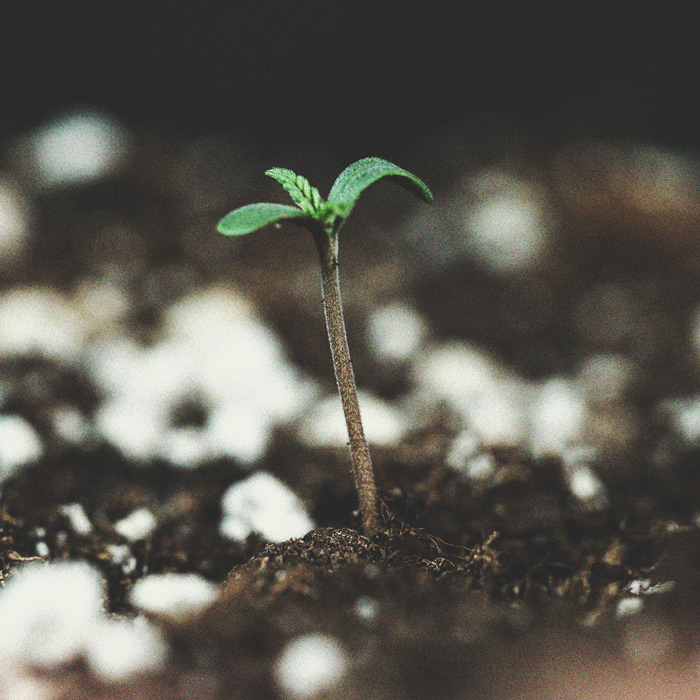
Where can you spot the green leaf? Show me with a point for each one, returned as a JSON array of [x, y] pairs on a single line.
[[254, 216], [356, 178], [300, 190]]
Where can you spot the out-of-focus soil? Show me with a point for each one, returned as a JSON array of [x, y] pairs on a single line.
[[517, 589]]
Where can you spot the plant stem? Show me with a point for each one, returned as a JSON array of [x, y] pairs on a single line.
[[363, 472]]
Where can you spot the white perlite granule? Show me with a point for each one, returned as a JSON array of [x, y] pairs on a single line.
[[175, 595], [490, 400], [263, 504], [53, 615], [119, 648], [558, 414], [395, 332], [309, 665], [19, 444], [45, 610], [629, 606], [213, 347], [683, 415], [137, 525], [366, 608], [35, 320], [587, 488], [75, 149], [122, 556], [79, 521], [509, 225]]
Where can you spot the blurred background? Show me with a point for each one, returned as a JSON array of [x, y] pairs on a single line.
[[353, 77], [560, 140]]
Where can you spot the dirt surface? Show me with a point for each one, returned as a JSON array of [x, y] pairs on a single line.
[[516, 588]]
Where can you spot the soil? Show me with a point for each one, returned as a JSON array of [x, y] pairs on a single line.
[[515, 590]]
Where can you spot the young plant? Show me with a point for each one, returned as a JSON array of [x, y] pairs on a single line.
[[324, 218]]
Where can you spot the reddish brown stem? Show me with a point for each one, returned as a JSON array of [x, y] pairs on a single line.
[[363, 472]]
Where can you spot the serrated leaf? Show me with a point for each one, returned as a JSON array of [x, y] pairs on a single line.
[[356, 178], [255, 216], [300, 190]]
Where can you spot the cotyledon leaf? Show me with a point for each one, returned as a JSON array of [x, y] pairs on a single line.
[[299, 188], [356, 178], [254, 216]]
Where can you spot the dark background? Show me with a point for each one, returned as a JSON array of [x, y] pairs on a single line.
[[354, 75]]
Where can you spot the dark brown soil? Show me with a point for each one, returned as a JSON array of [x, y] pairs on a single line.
[[513, 591]]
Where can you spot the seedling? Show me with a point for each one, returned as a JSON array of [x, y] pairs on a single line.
[[324, 218]]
